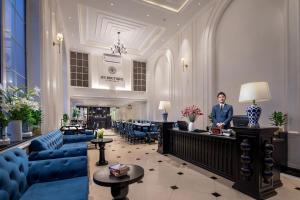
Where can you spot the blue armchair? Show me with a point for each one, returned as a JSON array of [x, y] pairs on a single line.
[[59, 179], [52, 145]]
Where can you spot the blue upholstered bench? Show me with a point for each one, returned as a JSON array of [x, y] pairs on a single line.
[[52, 145], [59, 179]]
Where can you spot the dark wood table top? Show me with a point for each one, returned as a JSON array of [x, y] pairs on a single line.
[[104, 178], [102, 140]]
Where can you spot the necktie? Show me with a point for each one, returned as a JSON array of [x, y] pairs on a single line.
[[222, 107]]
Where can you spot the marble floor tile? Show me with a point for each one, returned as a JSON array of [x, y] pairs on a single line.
[[193, 183]]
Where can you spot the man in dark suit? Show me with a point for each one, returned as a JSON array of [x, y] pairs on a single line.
[[222, 113]]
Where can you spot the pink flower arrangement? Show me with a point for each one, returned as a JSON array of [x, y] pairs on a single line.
[[191, 112]]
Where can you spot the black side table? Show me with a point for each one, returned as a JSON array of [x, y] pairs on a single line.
[[101, 142], [119, 185]]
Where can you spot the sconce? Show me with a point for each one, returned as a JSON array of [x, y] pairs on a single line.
[[59, 39], [184, 66]]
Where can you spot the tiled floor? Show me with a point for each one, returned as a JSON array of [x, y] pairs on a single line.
[[169, 178]]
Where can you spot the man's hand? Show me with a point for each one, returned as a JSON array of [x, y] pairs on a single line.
[[220, 125]]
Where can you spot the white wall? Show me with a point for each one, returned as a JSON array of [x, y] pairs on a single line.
[[250, 47], [137, 111], [227, 43]]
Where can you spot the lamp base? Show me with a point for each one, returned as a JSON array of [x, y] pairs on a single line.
[[253, 113], [165, 116]]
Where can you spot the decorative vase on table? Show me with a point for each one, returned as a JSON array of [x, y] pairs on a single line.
[[191, 113], [4, 140], [15, 130], [165, 117], [191, 126], [253, 112]]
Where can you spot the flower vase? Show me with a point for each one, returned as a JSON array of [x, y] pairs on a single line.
[[15, 130], [4, 140], [191, 126]]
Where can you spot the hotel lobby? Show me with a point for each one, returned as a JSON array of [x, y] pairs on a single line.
[[150, 99]]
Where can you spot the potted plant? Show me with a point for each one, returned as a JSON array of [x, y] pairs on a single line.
[[191, 113], [36, 116], [100, 133], [65, 119], [278, 119], [75, 113], [19, 106]]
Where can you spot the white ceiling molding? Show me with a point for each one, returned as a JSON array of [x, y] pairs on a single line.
[[99, 29], [171, 5]]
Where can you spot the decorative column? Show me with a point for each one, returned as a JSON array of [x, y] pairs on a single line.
[[255, 174]]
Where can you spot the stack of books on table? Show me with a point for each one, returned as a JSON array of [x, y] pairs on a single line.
[[118, 170]]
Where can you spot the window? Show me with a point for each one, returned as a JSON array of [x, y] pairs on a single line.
[[139, 76], [15, 45], [79, 69]]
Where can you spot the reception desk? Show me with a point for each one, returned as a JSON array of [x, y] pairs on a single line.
[[246, 159]]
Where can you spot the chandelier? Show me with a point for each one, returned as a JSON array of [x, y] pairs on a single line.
[[119, 48]]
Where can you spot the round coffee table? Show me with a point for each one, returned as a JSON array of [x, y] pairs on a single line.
[[119, 185], [101, 143]]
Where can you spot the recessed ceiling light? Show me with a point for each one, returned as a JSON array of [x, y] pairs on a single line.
[[70, 18], [199, 3], [148, 15], [178, 24], [112, 4]]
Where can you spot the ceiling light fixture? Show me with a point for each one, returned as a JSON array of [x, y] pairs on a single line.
[[119, 47]]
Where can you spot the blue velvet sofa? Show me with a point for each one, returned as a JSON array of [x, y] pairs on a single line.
[[72, 137], [54, 179], [52, 145]]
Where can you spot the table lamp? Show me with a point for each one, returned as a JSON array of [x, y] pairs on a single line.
[[254, 92], [164, 105]]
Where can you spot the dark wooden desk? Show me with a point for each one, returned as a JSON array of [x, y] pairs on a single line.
[[214, 153], [246, 159]]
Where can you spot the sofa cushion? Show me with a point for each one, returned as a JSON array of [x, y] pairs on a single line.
[[67, 189], [74, 145], [78, 138], [50, 141], [13, 172]]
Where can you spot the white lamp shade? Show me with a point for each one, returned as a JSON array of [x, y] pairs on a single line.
[[164, 105], [258, 91]]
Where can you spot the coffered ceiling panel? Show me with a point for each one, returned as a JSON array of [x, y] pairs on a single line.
[[172, 5], [99, 29]]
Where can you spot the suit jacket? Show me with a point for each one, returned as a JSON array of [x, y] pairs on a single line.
[[222, 116]]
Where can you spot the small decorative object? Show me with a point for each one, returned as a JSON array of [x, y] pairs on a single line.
[[216, 131], [278, 119], [100, 133], [65, 119], [20, 106], [4, 140], [118, 170], [164, 105], [254, 92], [191, 113]]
